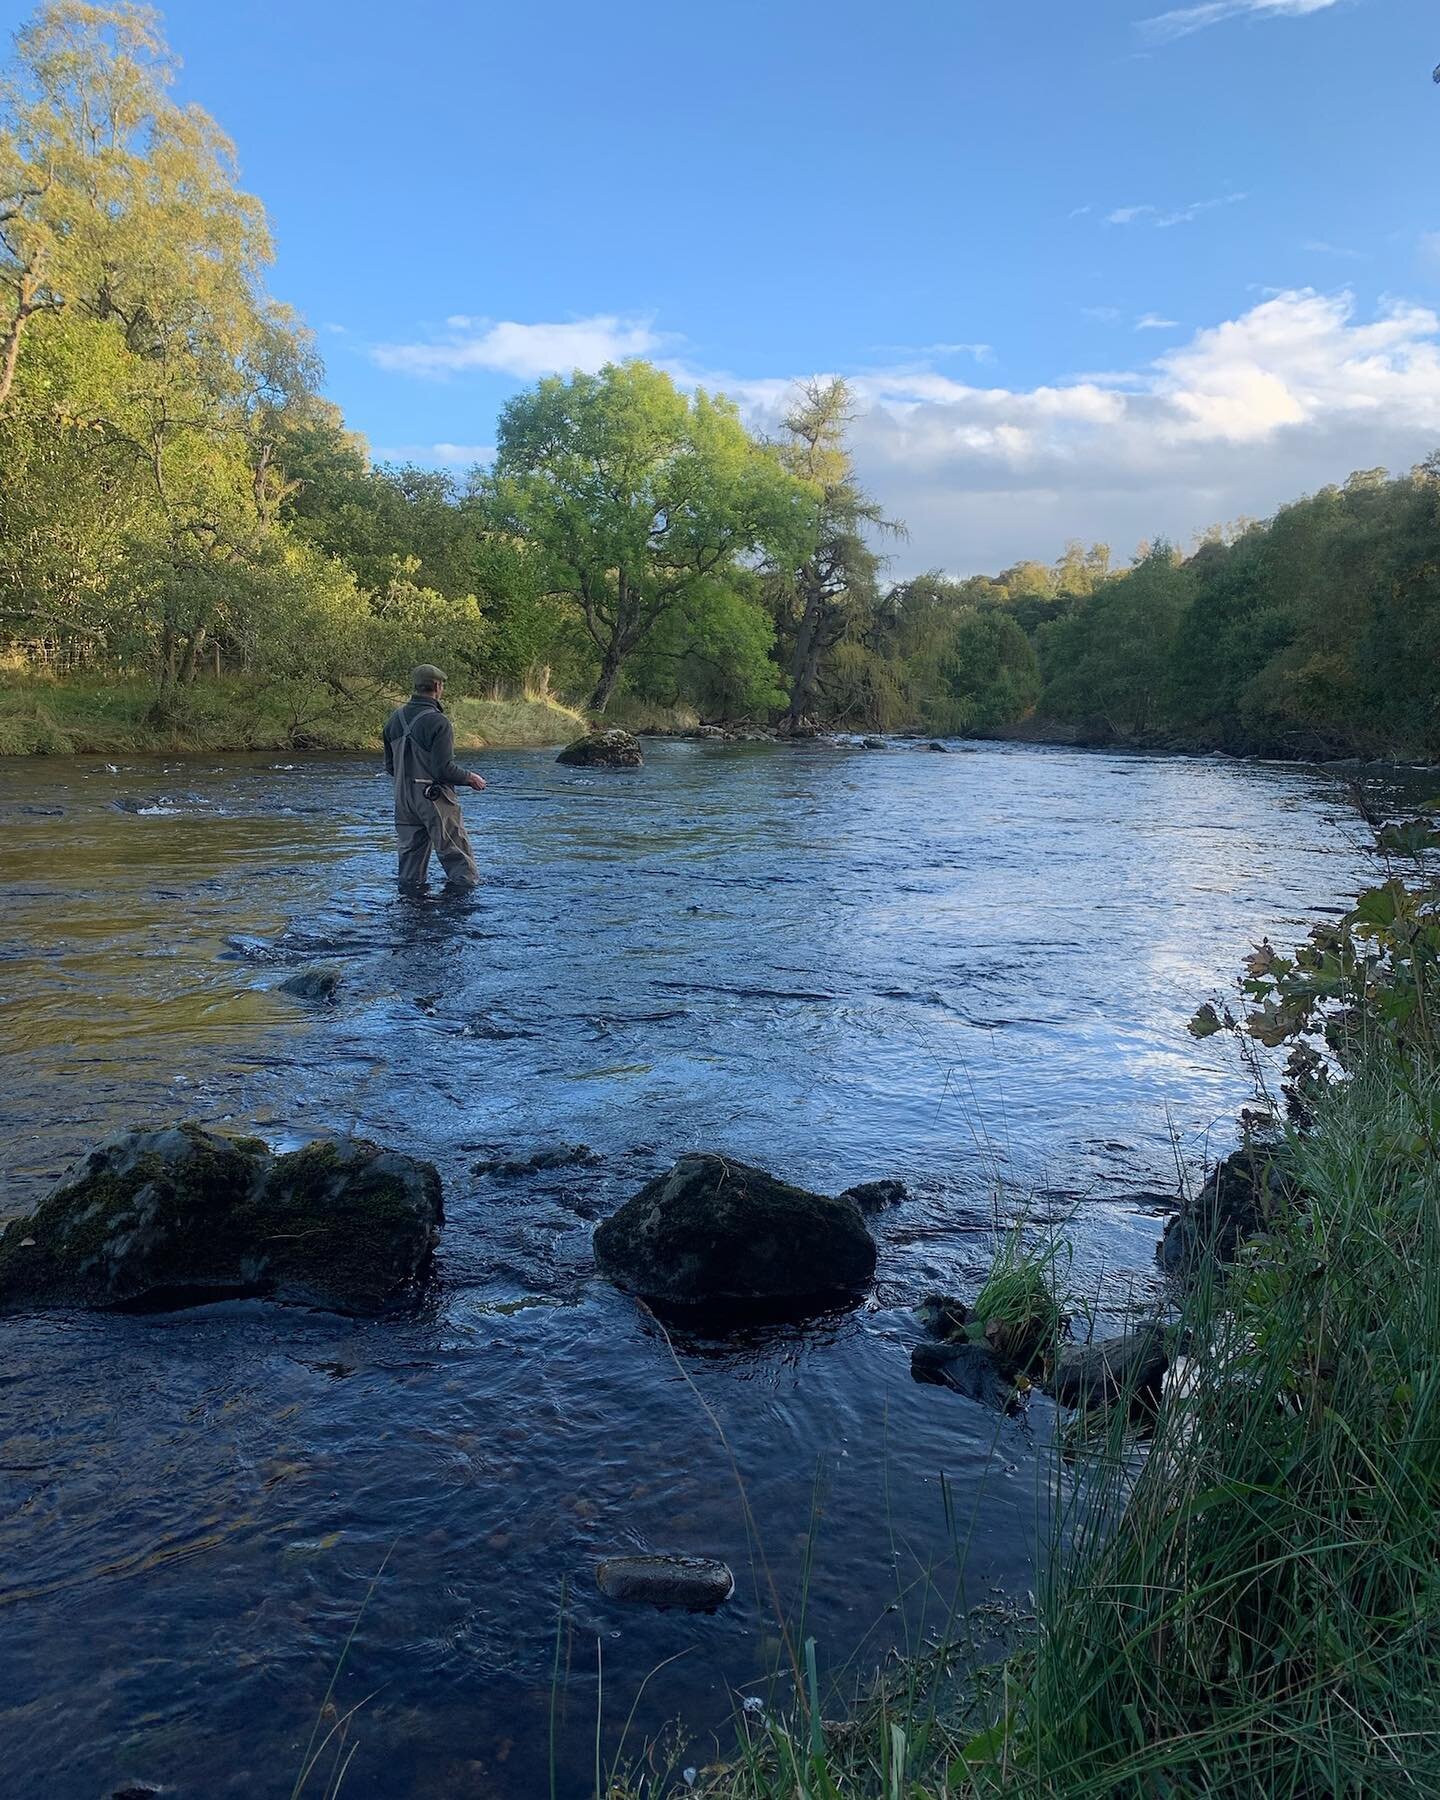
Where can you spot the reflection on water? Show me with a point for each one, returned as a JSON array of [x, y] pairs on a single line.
[[956, 970]]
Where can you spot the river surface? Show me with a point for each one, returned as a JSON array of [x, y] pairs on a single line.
[[970, 971]]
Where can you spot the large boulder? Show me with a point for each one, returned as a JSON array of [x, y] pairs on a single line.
[[612, 749], [1238, 1199], [182, 1215], [713, 1231]]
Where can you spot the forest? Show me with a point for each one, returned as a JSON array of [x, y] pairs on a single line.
[[182, 504]]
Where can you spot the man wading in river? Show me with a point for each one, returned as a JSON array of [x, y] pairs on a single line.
[[420, 758]]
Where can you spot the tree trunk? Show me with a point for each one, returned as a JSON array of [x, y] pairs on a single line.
[[10, 354], [609, 676], [805, 664]]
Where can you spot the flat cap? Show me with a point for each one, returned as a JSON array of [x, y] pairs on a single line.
[[426, 676]]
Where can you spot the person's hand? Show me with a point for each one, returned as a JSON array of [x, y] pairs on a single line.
[[477, 782]]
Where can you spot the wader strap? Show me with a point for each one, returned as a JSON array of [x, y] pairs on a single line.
[[401, 748]]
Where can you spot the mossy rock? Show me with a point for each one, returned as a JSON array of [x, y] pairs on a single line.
[[613, 749], [182, 1215], [713, 1232]]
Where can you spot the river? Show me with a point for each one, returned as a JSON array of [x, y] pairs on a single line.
[[969, 971]]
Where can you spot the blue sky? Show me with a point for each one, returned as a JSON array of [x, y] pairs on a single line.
[[1098, 268]]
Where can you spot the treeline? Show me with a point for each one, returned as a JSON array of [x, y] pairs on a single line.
[[179, 501]]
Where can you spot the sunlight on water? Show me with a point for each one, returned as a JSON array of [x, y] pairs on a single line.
[[964, 971]]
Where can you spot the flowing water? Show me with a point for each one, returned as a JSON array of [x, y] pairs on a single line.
[[970, 971]]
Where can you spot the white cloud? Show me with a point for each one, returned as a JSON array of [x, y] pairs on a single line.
[[1153, 322], [1185, 20], [1296, 392], [1105, 315], [443, 456], [505, 347], [1319, 247], [1162, 218]]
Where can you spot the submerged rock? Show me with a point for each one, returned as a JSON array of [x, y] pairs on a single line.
[[313, 984], [943, 1316], [697, 1583], [1097, 1374], [612, 749], [716, 1231], [563, 1156], [182, 1215], [875, 1196], [967, 1369], [872, 743], [1238, 1199]]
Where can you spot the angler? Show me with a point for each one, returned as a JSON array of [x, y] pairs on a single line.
[[420, 758]]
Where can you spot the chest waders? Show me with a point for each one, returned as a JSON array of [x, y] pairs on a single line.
[[427, 817]]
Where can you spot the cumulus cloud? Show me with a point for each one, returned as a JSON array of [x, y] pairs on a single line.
[[504, 347], [1296, 392], [1185, 20]]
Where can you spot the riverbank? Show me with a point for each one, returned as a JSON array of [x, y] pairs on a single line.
[[1240, 1598], [1324, 750], [97, 717]]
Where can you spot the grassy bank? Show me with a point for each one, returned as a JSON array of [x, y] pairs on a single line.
[[1246, 1599], [88, 716]]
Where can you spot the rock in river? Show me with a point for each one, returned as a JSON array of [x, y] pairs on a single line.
[[695, 1582], [313, 984], [613, 749], [1096, 1374], [1239, 1197], [967, 1369], [716, 1231], [875, 1196], [181, 1215]]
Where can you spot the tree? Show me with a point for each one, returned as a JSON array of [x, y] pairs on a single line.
[[832, 589], [114, 201], [638, 500]]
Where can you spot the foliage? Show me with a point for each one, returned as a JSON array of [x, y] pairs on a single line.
[[823, 587], [641, 501]]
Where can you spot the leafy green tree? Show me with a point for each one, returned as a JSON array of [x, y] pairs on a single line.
[[831, 590], [115, 201], [1111, 657], [639, 501]]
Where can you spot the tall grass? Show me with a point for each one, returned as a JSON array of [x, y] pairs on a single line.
[[1263, 1616], [1249, 1603]]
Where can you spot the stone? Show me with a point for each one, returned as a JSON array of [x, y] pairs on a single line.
[[1237, 1201], [940, 749], [872, 743], [1097, 1374], [875, 1196], [966, 1369], [563, 1156], [180, 1215], [943, 1316], [313, 984], [696, 1583], [613, 749], [715, 1231]]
